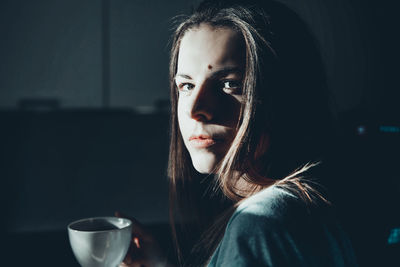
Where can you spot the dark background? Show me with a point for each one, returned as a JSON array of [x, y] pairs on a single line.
[[84, 110]]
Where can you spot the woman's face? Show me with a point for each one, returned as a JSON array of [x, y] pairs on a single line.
[[210, 69]]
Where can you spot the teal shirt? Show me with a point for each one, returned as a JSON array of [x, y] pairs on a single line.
[[275, 228]]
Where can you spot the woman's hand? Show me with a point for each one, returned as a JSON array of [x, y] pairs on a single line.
[[144, 250]]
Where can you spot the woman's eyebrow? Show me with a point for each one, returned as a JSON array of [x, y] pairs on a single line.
[[226, 71], [183, 76], [218, 73]]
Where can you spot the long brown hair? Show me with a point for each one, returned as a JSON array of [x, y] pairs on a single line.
[[285, 105]]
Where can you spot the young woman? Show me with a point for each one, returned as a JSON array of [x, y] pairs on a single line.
[[249, 124]]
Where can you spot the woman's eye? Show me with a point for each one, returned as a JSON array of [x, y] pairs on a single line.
[[185, 87], [232, 86]]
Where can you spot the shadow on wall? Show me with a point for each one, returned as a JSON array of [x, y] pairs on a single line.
[[63, 165]]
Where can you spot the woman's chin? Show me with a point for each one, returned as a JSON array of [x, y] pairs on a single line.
[[204, 165]]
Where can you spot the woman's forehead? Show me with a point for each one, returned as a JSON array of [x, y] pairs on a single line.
[[209, 47]]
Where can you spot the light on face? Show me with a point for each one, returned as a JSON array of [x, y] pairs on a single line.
[[209, 81]]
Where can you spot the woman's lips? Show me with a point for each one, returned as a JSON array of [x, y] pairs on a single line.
[[202, 141]]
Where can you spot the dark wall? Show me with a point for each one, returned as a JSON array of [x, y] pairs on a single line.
[[69, 164], [358, 44], [50, 49], [55, 49]]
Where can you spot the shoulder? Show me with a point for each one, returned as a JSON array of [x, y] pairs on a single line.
[[252, 233], [271, 197], [277, 228], [276, 211], [259, 232], [273, 205]]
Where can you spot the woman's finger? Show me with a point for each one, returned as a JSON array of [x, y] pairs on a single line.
[[137, 228], [136, 242], [133, 252]]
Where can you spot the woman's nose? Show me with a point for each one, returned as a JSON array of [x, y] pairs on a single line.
[[203, 103]]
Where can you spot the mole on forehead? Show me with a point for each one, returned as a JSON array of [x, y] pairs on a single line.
[[209, 67]]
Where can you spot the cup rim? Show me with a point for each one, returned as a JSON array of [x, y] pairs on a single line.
[[99, 231]]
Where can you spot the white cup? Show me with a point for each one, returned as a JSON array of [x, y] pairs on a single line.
[[100, 241]]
